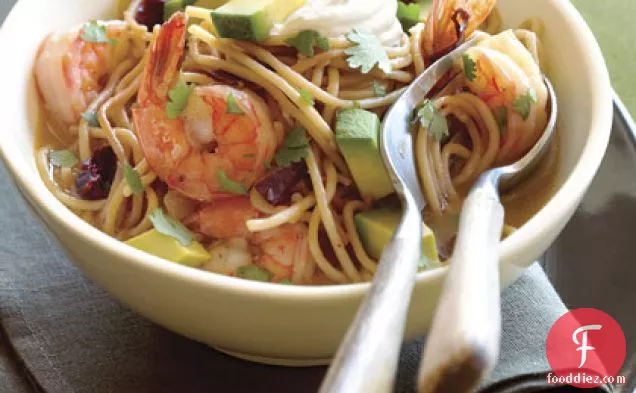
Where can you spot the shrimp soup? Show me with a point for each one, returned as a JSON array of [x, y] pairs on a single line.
[[254, 152]]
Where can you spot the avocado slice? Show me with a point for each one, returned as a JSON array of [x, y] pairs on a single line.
[[408, 14], [376, 227], [357, 136], [169, 248], [251, 20], [172, 6]]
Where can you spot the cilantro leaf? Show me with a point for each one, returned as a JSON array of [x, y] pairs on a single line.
[[91, 118], [306, 96], [501, 115], [170, 227], [367, 52], [379, 90], [286, 282], [306, 40], [429, 117], [267, 165], [133, 179], [233, 106], [96, 33], [231, 186], [522, 104], [254, 273], [470, 67], [178, 99], [63, 158], [295, 148]]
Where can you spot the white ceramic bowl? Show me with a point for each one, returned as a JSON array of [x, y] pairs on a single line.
[[276, 323]]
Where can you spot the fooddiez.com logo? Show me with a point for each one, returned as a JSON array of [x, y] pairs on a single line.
[[586, 348]]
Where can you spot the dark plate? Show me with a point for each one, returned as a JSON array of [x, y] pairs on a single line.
[[593, 262]]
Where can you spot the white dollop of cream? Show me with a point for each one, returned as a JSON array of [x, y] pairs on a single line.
[[335, 18]]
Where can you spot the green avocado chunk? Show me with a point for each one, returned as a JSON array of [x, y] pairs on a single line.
[[408, 14], [169, 248], [376, 227], [251, 20], [357, 136]]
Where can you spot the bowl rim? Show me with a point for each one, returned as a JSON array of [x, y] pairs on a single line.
[[33, 189]]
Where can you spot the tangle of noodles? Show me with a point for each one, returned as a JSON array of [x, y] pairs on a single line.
[[322, 205]]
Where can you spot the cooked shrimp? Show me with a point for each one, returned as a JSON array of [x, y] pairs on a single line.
[[449, 22], [70, 72], [225, 218], [507, 76], [283, 251], [228, 255], [209, 139]]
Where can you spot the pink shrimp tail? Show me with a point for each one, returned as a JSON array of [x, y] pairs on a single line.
[[164, 60]]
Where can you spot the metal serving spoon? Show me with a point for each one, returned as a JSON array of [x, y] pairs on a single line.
[[463, 343], [367, 359]]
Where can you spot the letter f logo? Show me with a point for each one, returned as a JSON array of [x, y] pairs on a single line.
[[583, 344]]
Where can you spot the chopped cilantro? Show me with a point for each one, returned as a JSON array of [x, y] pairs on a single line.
[[249, 155], [286, 282], [501, 115], [295, 148], [429, 117], [231, 186], [379, 90], [233, 106], [178, 99], [267, 165], [96, 33], [63, 158], [306, 40], [254, 273], [170, 227], [306, 96], [91, 118], [522, 104], [133, 179], [470, 67], [367, 52]]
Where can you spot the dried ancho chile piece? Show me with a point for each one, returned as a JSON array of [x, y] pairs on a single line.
[[277, 187], [150, 13], [96, 174]]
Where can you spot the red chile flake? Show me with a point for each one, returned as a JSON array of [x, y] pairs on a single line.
[[96, 175], [150, 13], [277, 187]]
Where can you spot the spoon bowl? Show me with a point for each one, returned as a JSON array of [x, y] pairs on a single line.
[[463, 344]]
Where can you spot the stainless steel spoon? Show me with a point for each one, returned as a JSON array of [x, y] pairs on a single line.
[[463, 343], [367, 358]]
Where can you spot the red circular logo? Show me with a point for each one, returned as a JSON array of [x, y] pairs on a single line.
[[585, 348]]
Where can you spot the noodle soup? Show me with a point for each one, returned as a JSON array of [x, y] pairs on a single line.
[[256, 156]]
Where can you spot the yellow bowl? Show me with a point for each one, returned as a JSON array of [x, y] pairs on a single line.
[[275, 323]]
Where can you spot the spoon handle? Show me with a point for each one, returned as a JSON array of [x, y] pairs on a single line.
[[367, 358], [463, 343]]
